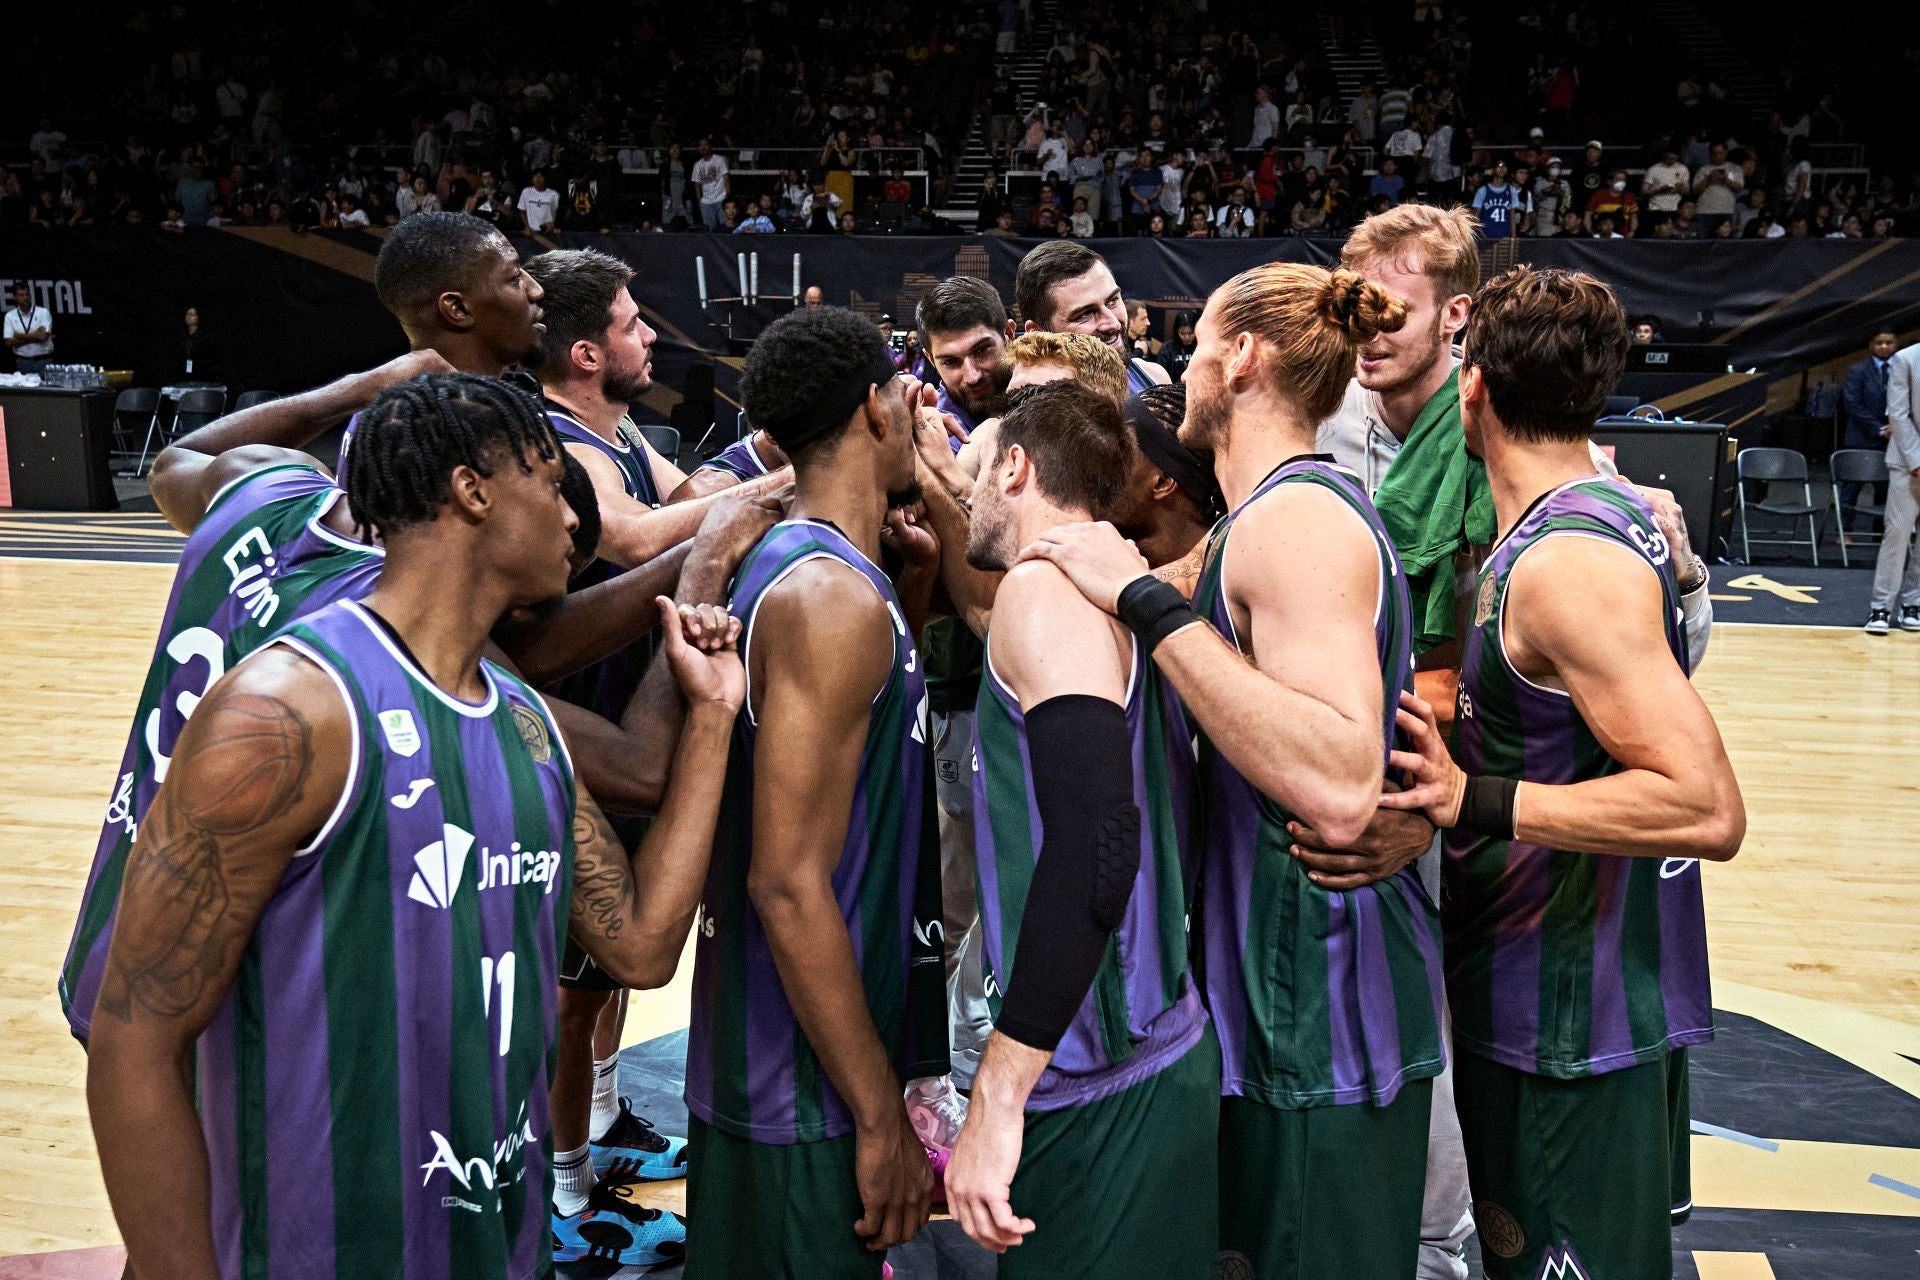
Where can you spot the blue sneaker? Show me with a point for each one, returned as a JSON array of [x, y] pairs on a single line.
[[633, 1148], [616, 1228]]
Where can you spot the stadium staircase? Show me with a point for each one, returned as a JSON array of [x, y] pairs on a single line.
[[1694, 35], [1028, 67], [1353, 61]]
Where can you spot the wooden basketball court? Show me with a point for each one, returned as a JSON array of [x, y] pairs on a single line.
[[1806, 1150]]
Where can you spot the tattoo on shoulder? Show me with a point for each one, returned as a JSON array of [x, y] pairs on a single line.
[[602, 876], [196, 858]]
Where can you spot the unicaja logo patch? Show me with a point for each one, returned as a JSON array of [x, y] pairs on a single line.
[[439, 868]]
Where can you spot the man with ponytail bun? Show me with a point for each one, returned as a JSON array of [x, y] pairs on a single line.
[[1291, 659]]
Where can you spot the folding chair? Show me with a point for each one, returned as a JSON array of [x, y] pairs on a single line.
[[195, 409], [665, 440], [136, 413], [1779, 470], [1860, 468], [248, 399]]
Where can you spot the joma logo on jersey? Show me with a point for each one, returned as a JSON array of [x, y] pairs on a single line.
[[503, 1170], [441, 866], [253, 582]]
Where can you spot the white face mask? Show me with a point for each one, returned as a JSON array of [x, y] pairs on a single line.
[[1619, 186], [1553, 172]]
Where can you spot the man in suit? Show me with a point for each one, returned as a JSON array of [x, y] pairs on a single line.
[[1898, 569], [1863, 401]]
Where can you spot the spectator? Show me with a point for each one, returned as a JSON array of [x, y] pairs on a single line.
[[897, 190], [1143, 190], [676, 188], [488, 201], [351, 214], [416, 198], [1235, 219], [1309, 213], [1686, 225], [1176, 353], [1082, 220], [195, 192], [1664, 184], [1505, 210], [1363, 113], [29, 329], [1002, 224], [1552, 194], [1173, 181], [1387, 182], [756, 222], [538, 203], [1619, 205], [1198, 227], [1571, 225], [1140, 339], [1405, 144], [1266, 118], [1796, 193], [1053, 152], [1896, 575], [49, 144], [1748, 209], [1589, 176], [712, 184], [1716, 187], [1850, 229], [823, 208], [1605, 226], [848, 224], [1085, 172], [1443, 174], [176, 221], [1156, 226]]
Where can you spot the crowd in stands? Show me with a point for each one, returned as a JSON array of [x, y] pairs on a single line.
[[590, 117], [1148, 119]]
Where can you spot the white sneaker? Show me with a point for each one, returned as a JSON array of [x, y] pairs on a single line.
[[1910, 617], [1879, 622]]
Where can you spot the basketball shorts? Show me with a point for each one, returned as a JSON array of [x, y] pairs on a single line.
[[760, 1211], [1312, 1192], [577, 969], [1124, 1187], [1575, 1177]]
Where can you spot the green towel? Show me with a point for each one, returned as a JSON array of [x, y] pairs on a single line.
[[1435, 501]]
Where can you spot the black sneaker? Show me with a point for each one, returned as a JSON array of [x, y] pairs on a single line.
[[1879, 622], [1910, 617], [632, 1147]]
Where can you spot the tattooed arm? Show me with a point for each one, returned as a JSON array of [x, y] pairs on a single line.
[[632, 914], [257, 771]]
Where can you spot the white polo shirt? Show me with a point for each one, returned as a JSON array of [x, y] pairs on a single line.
[[19, 323]]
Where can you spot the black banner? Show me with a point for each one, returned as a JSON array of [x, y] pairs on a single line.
[[290, 310]]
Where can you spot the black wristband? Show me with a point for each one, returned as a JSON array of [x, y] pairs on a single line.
[[1486, 808], [1153, 610]]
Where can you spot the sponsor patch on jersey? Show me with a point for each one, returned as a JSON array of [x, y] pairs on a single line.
[[533, 732], [403, 736], [1483, 603]]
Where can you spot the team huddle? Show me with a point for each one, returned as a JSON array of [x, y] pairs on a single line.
[[1248, 827]]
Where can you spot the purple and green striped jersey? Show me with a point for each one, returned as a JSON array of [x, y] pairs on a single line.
[[606, 687], [750, 1070], [259, 559], [739, 460], [1143, 1011], [373, 1091], [1564, 964], [1318, 997]]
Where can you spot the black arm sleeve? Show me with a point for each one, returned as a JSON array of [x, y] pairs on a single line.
[[1090, 852]]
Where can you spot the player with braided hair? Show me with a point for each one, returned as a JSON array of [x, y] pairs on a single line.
[[381, 842], [1291, 659]]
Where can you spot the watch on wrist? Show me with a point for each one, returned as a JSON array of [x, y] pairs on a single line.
[[1695, 577]]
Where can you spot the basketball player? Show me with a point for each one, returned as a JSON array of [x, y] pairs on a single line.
[[1038, 357], [1100, 1078], [802, 1161], [1404, 402], [964, 330], [1171, 500], [1064, 287], [595, 357], [1590, 779], [299, 950], [456, 286], [1325, 1003], [748, 458]]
